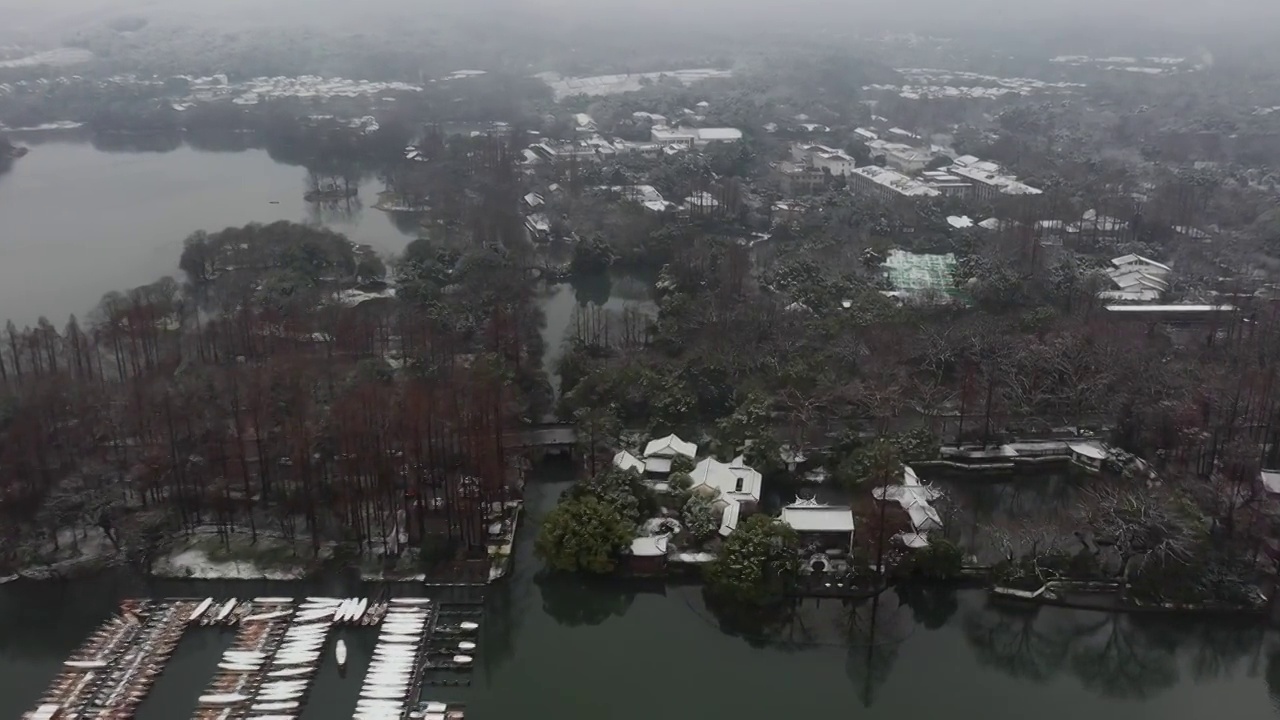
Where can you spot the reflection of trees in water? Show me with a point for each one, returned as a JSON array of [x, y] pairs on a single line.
[[1009, 640], [932, 604], [1119, 659], [875, 629], [1273, 677], [1117, 655], [162, 142], [1214, 650], [576, 600], [780, 626], [326, 212]]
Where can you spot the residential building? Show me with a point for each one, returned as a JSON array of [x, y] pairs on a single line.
[[900, 156], [988, 179], [888, 184], [946, 184], [799, 178], [584, 122], [693, 137]]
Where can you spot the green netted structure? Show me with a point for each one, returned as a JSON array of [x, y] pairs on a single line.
[[918, 275]]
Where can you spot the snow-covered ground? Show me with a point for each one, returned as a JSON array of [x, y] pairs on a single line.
[[195, 563]]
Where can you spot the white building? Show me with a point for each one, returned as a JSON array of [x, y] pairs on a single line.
[[989, 179], [626, 461], [693, 137], [814, 520], [900, 156], [659, 453], [888, 184], [1137, 279], [733, 480], [915, 498], [733, 485]]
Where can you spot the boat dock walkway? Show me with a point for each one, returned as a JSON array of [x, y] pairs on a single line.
[[268, 669], [112, 672], [241, 668], [394, 679]]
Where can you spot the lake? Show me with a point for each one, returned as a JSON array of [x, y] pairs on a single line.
[[584, 651], [76, 222]]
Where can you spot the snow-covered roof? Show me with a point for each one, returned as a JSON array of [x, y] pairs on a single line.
[[959, 221], [812, 517], [719, 134], [1089, 450], [669, 447], [649, 546], [729, 518], [1132, 259], [914, 539], [924, 517], [627, 461], [736, 481]]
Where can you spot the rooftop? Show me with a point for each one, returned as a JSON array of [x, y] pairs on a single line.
[[669, 447], [734, 480], [809, 516], [895, 181]]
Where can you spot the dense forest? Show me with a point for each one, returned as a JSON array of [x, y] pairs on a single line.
[[284, 388]]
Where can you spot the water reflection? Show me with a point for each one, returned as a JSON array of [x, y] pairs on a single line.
[[127, 143], [576, 600]]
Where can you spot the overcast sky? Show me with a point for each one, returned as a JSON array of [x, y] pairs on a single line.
[[934, 16]]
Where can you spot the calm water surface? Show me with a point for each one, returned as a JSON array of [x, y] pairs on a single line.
[[77, 222]]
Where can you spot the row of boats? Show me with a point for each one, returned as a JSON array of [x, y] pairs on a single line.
[[348, 611], [393, 673], [267, 671], [111, 674]]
